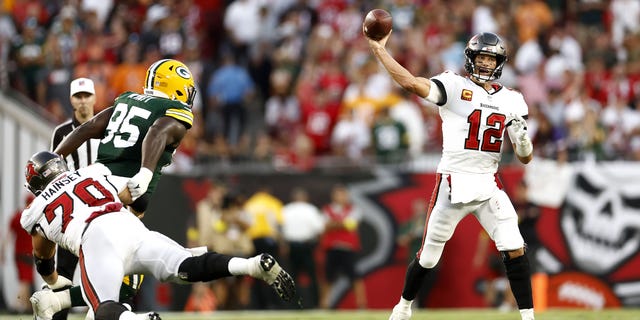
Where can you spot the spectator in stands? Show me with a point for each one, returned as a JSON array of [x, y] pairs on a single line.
[[341, 243], [409, 113], [390, 138], [130, 72], [532, 18], [619, 120], [242, 26], [61, 45], [207, 211], [229, 92], [260, 61], [65, 35], [303, 224], [282, 109], [546, 137], [28, 53], [351, 137], [319, 116], [222, 226], [484, 17], [265, 214], [585, 133], [99, 70], [171, 38], [366, 91], [297, 157], [23, 11]]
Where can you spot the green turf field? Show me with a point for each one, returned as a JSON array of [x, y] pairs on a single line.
[[457, 314]]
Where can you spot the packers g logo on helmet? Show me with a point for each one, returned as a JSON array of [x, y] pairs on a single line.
[[171, 79]]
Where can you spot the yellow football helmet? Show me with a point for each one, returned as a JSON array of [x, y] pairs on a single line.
[[169, 78]]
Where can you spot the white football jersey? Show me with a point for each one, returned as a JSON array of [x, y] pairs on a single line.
[[474, 123], [60, 212]]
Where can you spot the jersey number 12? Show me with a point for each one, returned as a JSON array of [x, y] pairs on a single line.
[[491, 137]]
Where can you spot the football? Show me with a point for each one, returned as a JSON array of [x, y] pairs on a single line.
[[377, 24]]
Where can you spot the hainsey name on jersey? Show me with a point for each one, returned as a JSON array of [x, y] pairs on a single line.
[[57, 185]]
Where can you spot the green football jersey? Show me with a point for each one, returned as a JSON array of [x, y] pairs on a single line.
[[121, 146]]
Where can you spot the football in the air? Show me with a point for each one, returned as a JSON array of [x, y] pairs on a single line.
[[377, 24]]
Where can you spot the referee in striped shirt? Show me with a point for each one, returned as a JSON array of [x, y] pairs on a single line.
[[83, 99]]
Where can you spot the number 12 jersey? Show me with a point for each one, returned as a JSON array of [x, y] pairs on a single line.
[[474, 122]]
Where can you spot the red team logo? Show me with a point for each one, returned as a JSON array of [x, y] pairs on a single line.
[[30, 172]]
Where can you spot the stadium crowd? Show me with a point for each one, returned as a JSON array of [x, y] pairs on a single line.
[[290, 82]]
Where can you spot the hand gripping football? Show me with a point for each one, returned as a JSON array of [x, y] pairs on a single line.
[[377, 24]]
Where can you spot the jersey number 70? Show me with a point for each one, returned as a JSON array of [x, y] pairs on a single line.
[[89, 191]]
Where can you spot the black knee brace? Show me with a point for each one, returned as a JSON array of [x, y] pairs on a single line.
[[206, 267], [110, 310]]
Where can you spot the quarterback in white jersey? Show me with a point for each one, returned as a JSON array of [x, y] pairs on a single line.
[[474, 119], [82, 212], [475, 113]]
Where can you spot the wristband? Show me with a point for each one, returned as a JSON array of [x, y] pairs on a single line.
[[45, 267], [145, 174], [524, 147]]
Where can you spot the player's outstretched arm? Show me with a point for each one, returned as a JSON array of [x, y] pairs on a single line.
[[94, 128], [417, 85]]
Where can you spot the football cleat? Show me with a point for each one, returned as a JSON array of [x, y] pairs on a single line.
[[401, 312], [152, 316], [270, 271], [45, 304]]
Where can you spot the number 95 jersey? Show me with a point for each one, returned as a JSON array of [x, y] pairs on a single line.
[[474, 122], [121, 146]]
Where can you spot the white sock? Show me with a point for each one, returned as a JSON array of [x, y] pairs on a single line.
[[527, 314], [405, 302], [64, 297], [239, 266]]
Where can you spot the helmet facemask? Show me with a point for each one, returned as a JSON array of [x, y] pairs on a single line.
[[485, 43]]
